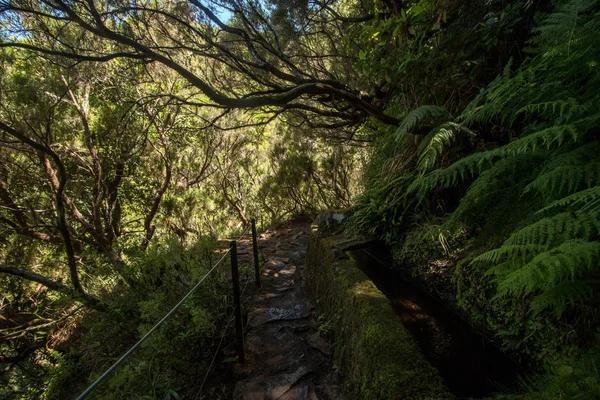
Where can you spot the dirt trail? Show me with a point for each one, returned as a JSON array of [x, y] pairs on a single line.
[[286, 357]]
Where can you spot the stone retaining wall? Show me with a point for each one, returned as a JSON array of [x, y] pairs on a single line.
[[375, 354]]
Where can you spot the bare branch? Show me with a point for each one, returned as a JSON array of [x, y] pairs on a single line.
[[32, 276]]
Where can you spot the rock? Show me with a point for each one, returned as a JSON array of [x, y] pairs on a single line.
[[317, 342], [331, 222], [282, 383], [288, 271], [262, 316], [300, 393], [268, 295], [274, 264], [301, 328], [248, 391], [353, 243], [297, 236], [271, 295], [281, 253], [332, 392]]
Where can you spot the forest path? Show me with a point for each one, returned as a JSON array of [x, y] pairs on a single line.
[[287, 359]]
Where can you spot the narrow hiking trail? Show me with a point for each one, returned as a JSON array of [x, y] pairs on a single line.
[[287, 359]]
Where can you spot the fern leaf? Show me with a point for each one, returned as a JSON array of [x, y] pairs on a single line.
[[548, 138], [563, 296], [556, 229], [436, 142], [566, 180], [559, 27], [568, 261], [568, 172], [416, 116], [585, 200], [557, 107], [518, 253]]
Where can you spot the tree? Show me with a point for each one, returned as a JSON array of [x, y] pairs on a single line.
[[76, 131], [244, 64]]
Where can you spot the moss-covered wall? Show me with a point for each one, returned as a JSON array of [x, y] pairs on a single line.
[[375, 353]]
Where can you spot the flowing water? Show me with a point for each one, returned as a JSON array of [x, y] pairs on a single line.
[[470, 365]]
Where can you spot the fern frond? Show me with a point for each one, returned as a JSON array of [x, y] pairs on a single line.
[[476, 163], [436, 142], [560, 26], [585, 200], [563, 296], [556, 229], [568, 261], [494, 102], [548, 138], [417, 116], [558, 107], [501, 176], [511, 253], [462, 169], [566, 180]]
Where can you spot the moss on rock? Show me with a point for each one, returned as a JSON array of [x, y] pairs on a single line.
[[375, 353]]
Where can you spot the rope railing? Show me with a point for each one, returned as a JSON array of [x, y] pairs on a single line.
[[245, 231], [229, 319], [236, 311]]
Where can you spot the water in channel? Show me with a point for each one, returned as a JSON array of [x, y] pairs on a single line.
[[470, 365]]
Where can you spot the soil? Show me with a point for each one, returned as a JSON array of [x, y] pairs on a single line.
[[286, 357]]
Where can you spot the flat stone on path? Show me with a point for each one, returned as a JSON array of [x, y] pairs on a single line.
[[282, 383], [317, 342], [301, 393], [264, 315]]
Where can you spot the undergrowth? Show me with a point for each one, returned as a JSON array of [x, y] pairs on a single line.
[[172, 363], [517, 170]]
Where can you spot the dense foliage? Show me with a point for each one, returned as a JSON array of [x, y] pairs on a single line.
[[115, 182], [134, 134], [505, 188]]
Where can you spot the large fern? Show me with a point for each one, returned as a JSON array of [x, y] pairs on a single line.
[[418, 116], [567, 173], [555, 100], [438, 141], [556, 229], [588, 199], [565, 263]]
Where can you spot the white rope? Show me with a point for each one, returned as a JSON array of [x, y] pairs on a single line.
[[155, 327], [93, 386], [244, 232], [231, 315], [216, 353]]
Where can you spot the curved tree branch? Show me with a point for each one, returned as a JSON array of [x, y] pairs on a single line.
[[60, 207], [297, 86], [32, 276]]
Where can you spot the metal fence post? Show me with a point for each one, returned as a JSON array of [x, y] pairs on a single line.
[[235, 277], [255, 253]]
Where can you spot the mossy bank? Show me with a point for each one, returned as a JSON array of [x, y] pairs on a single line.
[[376, 355]]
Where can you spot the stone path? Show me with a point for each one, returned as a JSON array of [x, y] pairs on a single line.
[[287, 359]]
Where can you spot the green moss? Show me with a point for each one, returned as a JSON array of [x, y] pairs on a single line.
[[439, 261], [376, 355]]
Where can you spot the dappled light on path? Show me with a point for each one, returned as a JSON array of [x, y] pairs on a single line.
[[287, 358]]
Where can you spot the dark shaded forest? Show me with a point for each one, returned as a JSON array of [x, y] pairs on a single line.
[[135, 135]]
